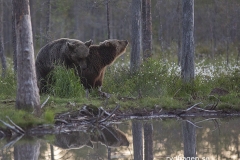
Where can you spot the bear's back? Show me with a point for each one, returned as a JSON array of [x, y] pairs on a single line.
[[52, 51]]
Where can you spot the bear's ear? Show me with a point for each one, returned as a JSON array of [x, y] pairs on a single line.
[[107, 44], [89, 43], [70, 45]]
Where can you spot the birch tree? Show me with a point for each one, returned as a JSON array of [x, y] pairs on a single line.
[[146, 29], [187, 58], [108, 20], [48, 22], [27, 90], [2, 55], [136, 36], [14, 43]]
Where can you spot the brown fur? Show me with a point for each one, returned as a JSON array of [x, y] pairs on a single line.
[[100, 56], [111, 137], [70, 53]]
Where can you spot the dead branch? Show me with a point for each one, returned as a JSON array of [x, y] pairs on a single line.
[[192, 106], [118, 106], [12, 128], [207, 110], [44, 103], [194, 124], [19, 128], [12, 142], [205, 120]]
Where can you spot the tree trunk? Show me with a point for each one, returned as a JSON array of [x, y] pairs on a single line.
[[148, 141], [2, 55], [137, 140], [27, 90], [48, 22], [189, 139], [187, 58], [228, 34], [238, 36], [14, 39], [146, 29], [213, 26], [109, 153], [136, 36], [108, 20], [179, 42], [52, 152], [76, 19]]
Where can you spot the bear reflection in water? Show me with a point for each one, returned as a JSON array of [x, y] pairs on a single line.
[[109, 136]]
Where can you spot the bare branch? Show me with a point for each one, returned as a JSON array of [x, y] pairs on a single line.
[[11, 127], [44, 103], [19, 128], [192, 106], [118, 106], [194, 124]]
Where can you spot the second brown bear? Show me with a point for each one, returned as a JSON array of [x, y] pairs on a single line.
[[100, 56]]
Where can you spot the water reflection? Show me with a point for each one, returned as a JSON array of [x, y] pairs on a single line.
[[137, 139], [189, 139], [73, 140], [148, 140], [27, 150], [155, 139]]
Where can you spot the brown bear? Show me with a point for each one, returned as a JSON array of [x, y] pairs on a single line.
[[70, 53], [100, 56]]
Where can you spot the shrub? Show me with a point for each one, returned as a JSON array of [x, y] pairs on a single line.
[[65, 83], [8, 85]]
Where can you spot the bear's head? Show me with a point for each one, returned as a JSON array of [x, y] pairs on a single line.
[[111, 49], [78, 51], [118, 47]]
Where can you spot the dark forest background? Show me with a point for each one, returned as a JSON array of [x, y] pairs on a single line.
[[217, 22]]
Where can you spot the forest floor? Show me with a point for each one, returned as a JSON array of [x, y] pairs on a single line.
[[156, 91], [213, 106]]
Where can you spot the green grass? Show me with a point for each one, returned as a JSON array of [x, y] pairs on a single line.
[[65, 84], [8, 86], [157, 83]]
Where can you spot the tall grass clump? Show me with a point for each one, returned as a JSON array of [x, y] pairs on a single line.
[[8, 85], [150, 80], [65, 83], [157, 78]]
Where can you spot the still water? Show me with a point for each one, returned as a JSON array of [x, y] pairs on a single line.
[[170, 139]]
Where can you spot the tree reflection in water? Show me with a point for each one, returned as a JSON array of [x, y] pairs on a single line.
[[155, 139], [189, 139], [148, 141], [27, 151], [137, 139]]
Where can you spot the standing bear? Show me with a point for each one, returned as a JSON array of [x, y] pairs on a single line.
[[100, 56], [70, 53]]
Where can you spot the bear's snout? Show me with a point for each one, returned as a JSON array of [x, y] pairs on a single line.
[[124, 42]]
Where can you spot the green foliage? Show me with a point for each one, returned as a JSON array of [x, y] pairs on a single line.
[[64, 83], [149, 80], [8, 85], [229, 82], [157, 84], [21, 117], [49, 116]]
